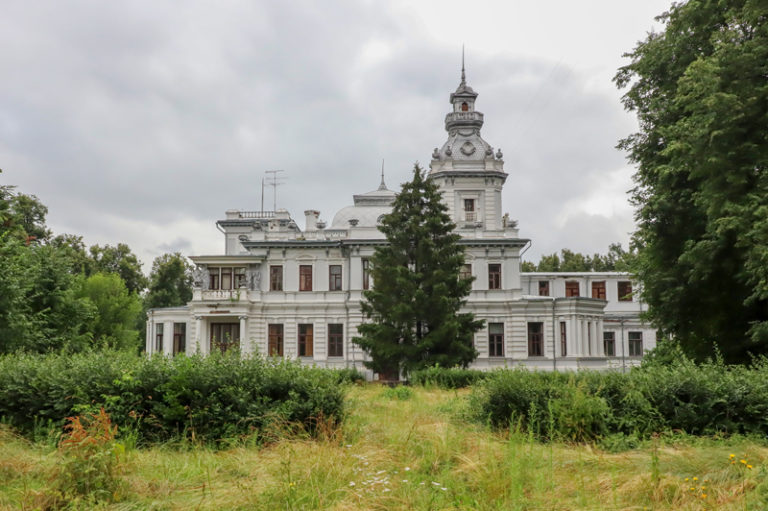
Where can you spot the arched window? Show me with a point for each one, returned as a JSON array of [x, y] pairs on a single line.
[[464, 107]]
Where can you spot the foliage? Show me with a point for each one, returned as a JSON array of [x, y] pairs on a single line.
[[417, 294], [170, 282], [22, 216], [91, 468], [39, 306], [119, 260], [160, 398], [701, 97], [116, 311], [447, 378], [705, 399], [616, 259]]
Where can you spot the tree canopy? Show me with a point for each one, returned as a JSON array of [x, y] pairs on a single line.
[[700, 92], [616, 259], [170, 282], [417, 294]]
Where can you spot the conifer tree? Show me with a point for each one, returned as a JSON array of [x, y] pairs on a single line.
[[414, 306]]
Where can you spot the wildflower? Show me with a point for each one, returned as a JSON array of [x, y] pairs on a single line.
[[686, 479], [743, 462], [405, 480], [444, 489], [732, 456], [436, 484], [407, 469], [692, 488], [749, 466], [695, 478], [351, 483], [703, 495]]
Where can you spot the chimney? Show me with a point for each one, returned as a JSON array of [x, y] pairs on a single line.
[[311, 216]]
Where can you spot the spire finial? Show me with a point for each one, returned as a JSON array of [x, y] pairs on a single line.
[[382, 186], [463, 75]]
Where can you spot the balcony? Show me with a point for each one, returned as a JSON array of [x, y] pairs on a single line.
[[233, 295]]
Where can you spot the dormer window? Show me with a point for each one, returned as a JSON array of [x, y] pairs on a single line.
[[464, 107]]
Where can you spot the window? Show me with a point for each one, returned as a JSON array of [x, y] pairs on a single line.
[[275, 278], [158, 338], [571, 288], [335, 340], [536, 339], [305, 340], [179, 338], [305, 277], [213, 282], [469, 210], [225, 336], [240, 280], [464, 107], [543, 288], [598, 290], [609, 344], [226, 278], [563, 340], [334, 277], [275, 341], [635, 344], [465, 272], [494, 276], [366, 274], [495, 339], [625, 291]]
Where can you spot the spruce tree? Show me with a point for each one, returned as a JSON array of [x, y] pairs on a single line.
[[413, 308]]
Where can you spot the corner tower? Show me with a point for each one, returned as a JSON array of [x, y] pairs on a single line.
[[469, 174]]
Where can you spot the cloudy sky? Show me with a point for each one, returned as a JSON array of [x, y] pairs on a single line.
[[143, 121]]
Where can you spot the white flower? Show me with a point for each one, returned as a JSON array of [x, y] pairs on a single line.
[[436, 484], [407, 469], [351, 483], [405, 480]]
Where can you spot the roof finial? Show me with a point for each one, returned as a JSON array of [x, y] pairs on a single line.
[[463, 75], [382, 186]]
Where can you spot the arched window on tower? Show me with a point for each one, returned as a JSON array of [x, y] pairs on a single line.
[[464, 107]]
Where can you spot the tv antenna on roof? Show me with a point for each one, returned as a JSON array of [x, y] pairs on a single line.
[[272, 180]]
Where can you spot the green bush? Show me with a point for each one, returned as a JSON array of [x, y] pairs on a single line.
[[705, 399], [447, 378], [160, 398]]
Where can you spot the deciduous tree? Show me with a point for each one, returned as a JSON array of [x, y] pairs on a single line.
[[700, 92]]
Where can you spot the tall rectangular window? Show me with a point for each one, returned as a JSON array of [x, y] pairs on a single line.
[[305, 340], [535, 339], [226, 278], [225, 336], [276, 278], [543, 288], [465, 272], [305, 277], [213, 278], [563, 340], [609, 343], [334, 277], [158, 337], [598, 290], [635, 344], [625, 291], [240, 280], [494, 276], [495, 339], [179, 338], [469, 210], [335, 340], [366, 273], [571, 288], [275, 340]]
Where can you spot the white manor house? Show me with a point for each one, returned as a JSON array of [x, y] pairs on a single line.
[[282, 291]]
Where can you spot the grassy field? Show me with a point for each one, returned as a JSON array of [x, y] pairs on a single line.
[[410, 449]]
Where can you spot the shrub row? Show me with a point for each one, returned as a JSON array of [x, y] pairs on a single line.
[[447, 378], [159, 398], [695, 399]]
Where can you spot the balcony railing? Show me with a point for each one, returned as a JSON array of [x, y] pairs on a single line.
[[470, 216], [256, 214], [224, 294]]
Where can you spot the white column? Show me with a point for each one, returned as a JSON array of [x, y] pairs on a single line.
[[148, 335], [168, 338], [245, 347], [198, 344]]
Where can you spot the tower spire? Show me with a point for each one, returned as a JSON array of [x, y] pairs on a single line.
[[382, 186], [463, 75]]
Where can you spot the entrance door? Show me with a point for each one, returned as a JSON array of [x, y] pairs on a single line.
[[225, 336]]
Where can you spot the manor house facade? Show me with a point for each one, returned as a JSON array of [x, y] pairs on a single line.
[[282, 291]]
